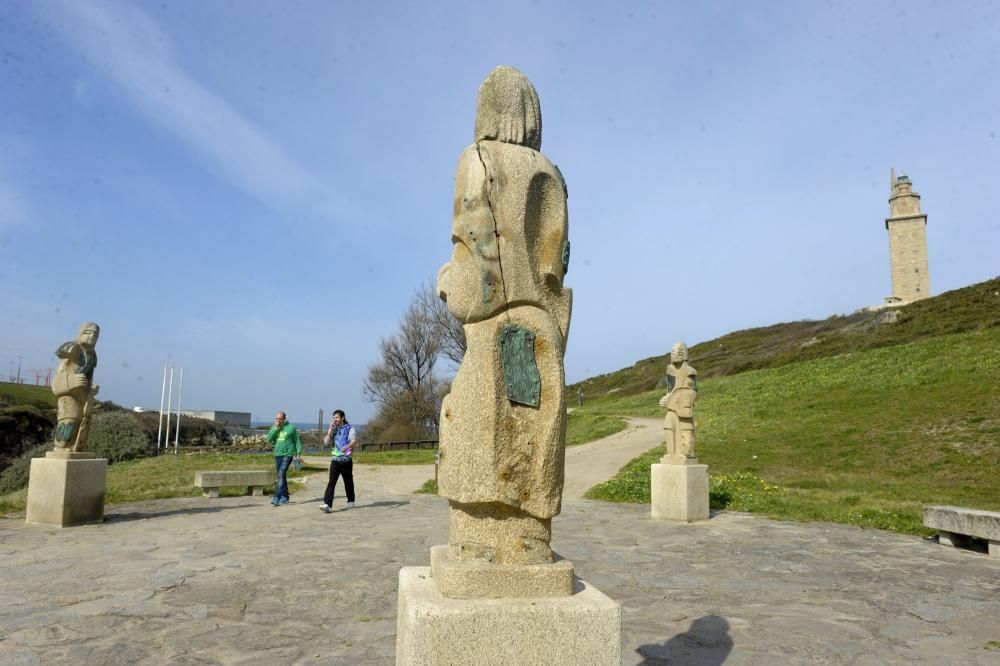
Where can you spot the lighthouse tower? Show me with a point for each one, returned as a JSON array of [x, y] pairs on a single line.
[[911, 280]]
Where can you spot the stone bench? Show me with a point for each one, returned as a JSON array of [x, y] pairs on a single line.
[[955, 525], [254, 480]]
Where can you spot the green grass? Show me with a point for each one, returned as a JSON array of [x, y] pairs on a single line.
[[167, 476], [430, 487], [865, 438], [583, 427], [27, 394], [976, 307], [409, 457]]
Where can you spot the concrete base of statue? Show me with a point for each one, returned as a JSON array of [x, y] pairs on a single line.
[[583, 628], [67, 488], [679, 490], [471, 579]]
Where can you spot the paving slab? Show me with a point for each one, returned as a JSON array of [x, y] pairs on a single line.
[[234, 580]]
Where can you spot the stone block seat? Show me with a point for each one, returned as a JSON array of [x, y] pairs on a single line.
[[254, 480], [955, 526]]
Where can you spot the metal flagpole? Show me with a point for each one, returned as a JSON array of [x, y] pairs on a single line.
[[177, 426], [163, 396], [170, 395]]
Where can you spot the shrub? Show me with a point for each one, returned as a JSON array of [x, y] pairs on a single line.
[[194, 431], [22, 427], [117, 436], [15, 477]]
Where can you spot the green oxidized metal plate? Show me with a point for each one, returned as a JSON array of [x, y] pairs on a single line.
[[517, 352]]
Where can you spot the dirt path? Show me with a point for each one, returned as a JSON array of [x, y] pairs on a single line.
[[596, 462], [586, 464]]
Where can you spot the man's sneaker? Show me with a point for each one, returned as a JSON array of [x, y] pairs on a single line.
[[283, 500], [274, 501], [350, 505], [325, 508]]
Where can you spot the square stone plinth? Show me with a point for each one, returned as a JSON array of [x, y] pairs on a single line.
[[584, 628], [460, 579], [66, 491], [679, 492]]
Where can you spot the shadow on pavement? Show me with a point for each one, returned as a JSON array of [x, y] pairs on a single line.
[[338, 505], [374, 505], [142, 515], [705, 643]]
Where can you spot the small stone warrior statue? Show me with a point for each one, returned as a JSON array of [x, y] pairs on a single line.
[[74, 387], [503, 426], [682, 390]]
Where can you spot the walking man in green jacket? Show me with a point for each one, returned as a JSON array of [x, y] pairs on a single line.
[[284, 436]]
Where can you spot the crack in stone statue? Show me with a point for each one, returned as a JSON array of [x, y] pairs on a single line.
[[73, 385], [682, 391], [503, 426]]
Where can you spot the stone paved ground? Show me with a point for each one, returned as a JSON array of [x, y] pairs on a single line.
[[235, 581]]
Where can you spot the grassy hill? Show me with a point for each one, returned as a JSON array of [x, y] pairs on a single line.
[[40, 397], [865, 438], [968, 309]]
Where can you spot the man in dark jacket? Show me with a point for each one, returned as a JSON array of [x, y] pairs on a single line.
[[340, 437]]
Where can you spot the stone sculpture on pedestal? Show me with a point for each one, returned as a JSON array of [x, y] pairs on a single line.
[[503, 425], [679, 485], [73, 385], [67, 486], [682, 391]]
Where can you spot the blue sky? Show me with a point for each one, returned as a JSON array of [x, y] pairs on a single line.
[[254, 190]]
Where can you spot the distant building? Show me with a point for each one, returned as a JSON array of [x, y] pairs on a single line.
[[239, 419], [911, 280]]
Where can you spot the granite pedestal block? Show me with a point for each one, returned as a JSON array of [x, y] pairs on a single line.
[[482, 580], [67, 488], [580, 629], [679, 492]]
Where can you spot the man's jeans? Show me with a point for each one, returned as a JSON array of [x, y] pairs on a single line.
[[281, 464], [339, 468]]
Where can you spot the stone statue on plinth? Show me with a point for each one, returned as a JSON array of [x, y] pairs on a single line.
[[678, 486], [68, 486], [503, 425], [682, 391], [497, 592], [73, 385]]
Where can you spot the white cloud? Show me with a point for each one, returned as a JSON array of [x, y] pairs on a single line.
[[135, 53]]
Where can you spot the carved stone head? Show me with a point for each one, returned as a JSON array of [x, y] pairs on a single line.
[[509, 226], [508, 109], [679, 353], [88, 334]]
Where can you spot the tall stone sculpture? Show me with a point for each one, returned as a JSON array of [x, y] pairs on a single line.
[[67, 486], [678, 484], [74, 388], [503, 425], [682, 391]]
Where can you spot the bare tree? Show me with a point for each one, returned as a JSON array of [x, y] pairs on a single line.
[[404, 382], [449, 330]]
